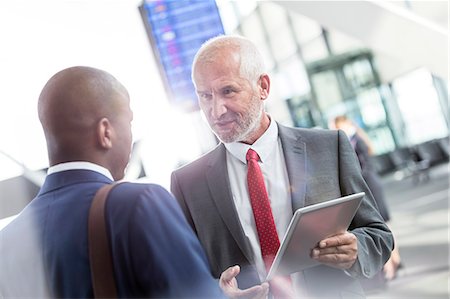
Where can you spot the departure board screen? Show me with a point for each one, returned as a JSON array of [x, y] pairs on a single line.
[[176, 30]]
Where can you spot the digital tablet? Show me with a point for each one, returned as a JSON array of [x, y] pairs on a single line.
[[308, 226]]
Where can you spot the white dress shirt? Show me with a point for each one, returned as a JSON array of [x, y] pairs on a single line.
[[82, 165], [273, 167]]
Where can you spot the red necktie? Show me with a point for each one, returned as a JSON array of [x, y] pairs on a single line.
[[265, 224]]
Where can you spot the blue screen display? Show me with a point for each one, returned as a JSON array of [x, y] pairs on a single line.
[[177, 29]]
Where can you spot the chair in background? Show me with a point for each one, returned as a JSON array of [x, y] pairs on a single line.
[[383, 164], [430, 151], [444, 145], [414, 161], [409, 164]]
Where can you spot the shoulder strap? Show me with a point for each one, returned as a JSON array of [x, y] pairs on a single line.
[[100, 259]]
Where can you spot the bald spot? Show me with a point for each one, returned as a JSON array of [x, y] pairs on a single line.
[[71, 104]]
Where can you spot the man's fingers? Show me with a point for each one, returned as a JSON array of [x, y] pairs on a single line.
[[339, 251], [229, 286], [332, 258], [230, 273], [344, 249], [338, 240]]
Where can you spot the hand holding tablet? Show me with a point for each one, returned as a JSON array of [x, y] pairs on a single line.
[[338, 251], [308, 227]]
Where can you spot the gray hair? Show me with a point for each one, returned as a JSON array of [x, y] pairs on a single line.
[[251, 61]]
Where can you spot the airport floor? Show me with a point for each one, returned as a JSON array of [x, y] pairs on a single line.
[[420, 220]]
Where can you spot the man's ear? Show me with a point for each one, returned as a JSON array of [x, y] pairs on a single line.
[[104, 133], [264, 86]]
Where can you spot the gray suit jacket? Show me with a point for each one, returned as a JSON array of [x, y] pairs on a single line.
[[321, 165]]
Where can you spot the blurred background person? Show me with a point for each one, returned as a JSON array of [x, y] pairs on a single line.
[[364, 150]]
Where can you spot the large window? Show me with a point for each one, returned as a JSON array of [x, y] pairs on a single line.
[[348, 84], [420, 108]]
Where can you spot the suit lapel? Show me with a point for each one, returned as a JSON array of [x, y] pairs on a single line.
[[294, 150], [219, 185]]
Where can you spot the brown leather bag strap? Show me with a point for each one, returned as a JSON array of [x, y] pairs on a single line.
[[101, 263]]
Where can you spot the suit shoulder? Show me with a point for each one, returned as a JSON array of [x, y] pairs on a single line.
[[308, 133], [132, 191], [325, 133], [201, 162], [127, 198]]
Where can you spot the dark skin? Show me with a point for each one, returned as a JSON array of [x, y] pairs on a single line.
[[85, 115]]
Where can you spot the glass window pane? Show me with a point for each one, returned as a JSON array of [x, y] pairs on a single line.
[[359, 74], [301, 111], [419, 104], [381, 140], [371, 107], [327, 89]]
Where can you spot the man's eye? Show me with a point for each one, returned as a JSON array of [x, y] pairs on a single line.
[[228, 91], [205, 96]]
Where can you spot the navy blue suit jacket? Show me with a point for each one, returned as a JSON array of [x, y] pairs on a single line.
[[44, 251]]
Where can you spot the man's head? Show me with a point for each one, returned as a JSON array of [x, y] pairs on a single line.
[[228, 74], [86, 116], [341, 122]]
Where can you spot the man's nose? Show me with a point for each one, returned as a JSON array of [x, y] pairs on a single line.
[[218, 108]]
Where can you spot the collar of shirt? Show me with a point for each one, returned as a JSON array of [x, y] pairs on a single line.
[[77, 165], [263, 146]]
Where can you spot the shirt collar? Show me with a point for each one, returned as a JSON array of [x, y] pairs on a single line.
[[80, 165], [263, 146]]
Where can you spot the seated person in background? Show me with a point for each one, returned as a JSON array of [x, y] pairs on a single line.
[[86, 118], [239, 198], [363, 148]]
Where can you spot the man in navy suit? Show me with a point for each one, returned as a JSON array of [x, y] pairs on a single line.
[[86, 118]]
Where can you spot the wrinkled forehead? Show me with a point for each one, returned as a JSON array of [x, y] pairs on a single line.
[[215, 80]]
